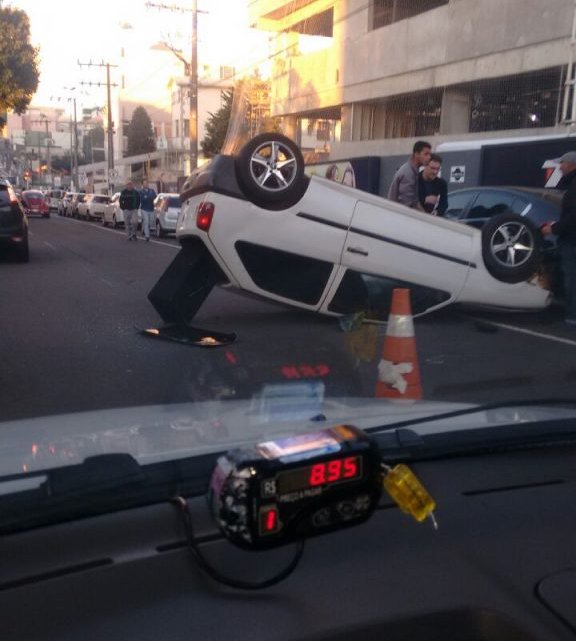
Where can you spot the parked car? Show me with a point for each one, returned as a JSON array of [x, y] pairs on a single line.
[[112, 214], [13, 223], [167, 208], [63, 203], [92, 207], [477, 205], [35, 203], [53, 198], [72, 206], [255, 222]]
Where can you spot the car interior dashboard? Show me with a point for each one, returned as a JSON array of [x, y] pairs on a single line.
[[501, 566]]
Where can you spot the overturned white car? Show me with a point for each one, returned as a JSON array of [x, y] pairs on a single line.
[[255, 222]]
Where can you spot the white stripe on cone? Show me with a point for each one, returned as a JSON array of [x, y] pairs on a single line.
[[400, 326]]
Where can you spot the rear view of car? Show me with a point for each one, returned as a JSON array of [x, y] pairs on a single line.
[[35, 203], [53, 198], [167, 210], [13, 223]]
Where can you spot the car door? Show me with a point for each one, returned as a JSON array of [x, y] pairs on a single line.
[[459, 203], [388, 246], [288, 255], [488, 203]]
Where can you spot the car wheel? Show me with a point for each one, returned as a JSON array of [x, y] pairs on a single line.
[[270, 170], [511, 247]]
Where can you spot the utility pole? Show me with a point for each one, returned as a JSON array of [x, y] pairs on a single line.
[[46, 122], [193, 120], [110, 137], [74, 186]]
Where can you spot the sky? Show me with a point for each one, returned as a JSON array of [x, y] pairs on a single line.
[[69, 30]]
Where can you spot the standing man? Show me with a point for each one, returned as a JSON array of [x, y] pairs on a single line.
[[433, 190], [565, 229], [404, 187], [129, 202], [147, 196]]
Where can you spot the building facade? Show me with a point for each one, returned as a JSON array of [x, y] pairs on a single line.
[[361, 77]]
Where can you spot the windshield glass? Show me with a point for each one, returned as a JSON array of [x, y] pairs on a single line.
[[371, 197]]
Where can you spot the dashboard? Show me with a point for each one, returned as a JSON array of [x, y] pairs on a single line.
[[501, 566]]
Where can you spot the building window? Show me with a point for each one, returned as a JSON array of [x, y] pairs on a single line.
[[385, 12], [226, 72], [323, 130], [321, 24], [516, 102]]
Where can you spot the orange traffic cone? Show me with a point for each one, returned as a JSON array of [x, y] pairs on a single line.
[[398, 371]]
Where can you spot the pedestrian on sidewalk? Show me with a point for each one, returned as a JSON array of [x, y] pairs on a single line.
[[147, 197], [129, 204], [565, 230]]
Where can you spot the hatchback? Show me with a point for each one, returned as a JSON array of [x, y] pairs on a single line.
[[13, 223]]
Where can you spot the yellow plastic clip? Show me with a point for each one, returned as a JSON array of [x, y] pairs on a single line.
[[409, 493]]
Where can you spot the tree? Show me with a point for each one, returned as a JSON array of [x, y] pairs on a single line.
[[217, 126], [93, 145], [141, 138], [18, 61]]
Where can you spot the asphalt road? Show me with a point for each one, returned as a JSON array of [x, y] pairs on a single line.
[[69, 339]]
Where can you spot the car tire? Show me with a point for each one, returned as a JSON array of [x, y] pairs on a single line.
[[265, 183], [511, 247]]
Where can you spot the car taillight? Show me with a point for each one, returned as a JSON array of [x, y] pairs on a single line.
[[204, 214]]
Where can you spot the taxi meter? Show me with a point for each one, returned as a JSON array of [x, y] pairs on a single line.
[[288, 489]]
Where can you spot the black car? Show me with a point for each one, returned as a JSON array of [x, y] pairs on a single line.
[[477, 205], [13, 222], [522, 206]]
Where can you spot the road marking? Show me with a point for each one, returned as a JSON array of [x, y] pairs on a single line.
[[49, 245], [121, 233], [529, 332]]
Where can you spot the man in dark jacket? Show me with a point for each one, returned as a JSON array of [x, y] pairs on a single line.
[[433, 190], [565, 229], [129, 202]]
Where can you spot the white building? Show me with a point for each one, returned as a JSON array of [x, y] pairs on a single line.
[[365, 77]]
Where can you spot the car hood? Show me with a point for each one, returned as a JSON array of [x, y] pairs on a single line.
[[166, 432]]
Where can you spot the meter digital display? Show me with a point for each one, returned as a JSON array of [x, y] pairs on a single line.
[[284, 490]]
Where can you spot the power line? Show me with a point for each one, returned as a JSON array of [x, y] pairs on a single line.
[[108, 84], [193, 119]]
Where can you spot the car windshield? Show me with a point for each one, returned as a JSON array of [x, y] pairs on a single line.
[[370, 194]]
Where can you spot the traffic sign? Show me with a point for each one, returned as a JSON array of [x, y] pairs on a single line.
[[457, 173]]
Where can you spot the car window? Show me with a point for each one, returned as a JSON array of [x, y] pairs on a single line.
[[490, 203], [458, 201], [174, 201], [4, 195]]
